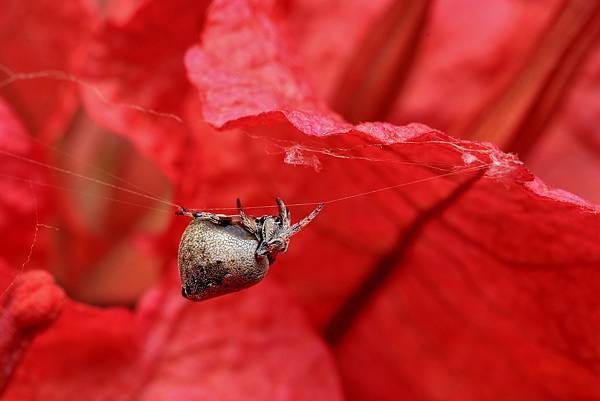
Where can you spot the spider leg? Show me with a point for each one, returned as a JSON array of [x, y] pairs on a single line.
[[300, 225], [185, 212], [248, 222], [284, 214], [220, 219]]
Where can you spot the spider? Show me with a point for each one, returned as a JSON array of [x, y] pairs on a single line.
[[219, 253]]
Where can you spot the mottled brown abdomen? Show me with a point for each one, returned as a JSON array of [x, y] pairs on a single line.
[[215, 260]]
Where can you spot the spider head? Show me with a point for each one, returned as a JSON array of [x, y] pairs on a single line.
[[273, 232], [274, 237]]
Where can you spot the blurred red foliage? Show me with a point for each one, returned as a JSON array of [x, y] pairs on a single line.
[[441, 268]]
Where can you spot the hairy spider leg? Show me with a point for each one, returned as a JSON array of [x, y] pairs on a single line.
[[300, 225], [249, 222], [284, 214]]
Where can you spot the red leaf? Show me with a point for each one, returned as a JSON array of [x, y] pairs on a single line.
[[254, 346], [476, 285]]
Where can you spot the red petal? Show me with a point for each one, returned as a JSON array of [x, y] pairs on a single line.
[[255, 346], [231, 90], [504, 58], [569, 155], [28, 306], [137, 75], [22, 201], [105, 227], [474, 53], [324, 35], [475, 285], [88, 351], [41, 37]]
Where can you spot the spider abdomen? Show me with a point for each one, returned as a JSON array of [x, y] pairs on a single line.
[[218, 259]]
